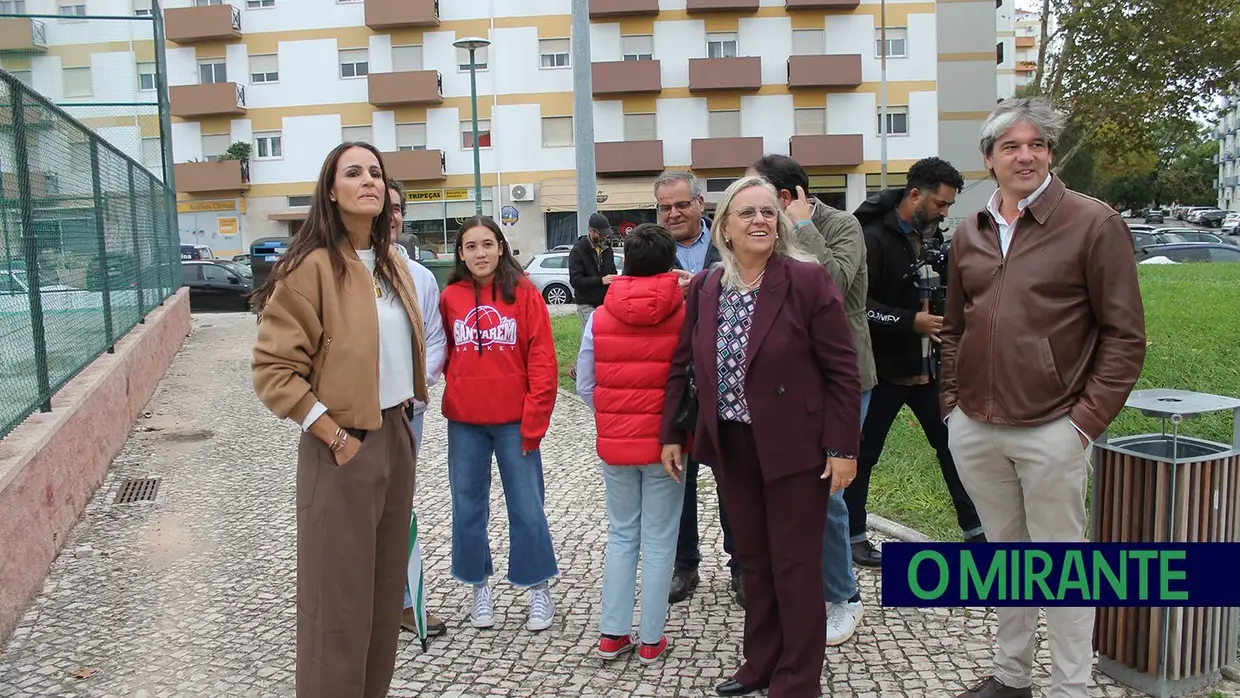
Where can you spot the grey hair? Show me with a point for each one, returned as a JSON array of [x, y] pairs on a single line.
[[785, 236], [672, 176], [1035, 111]]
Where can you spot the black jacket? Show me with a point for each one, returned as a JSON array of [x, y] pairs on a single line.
[[586, 271], [894, 298]]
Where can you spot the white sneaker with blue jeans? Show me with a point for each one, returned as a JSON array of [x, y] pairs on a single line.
[[839, 582]]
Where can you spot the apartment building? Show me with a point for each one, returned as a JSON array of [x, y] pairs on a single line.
[[1228, 134], [705, 85], [1020, 33]]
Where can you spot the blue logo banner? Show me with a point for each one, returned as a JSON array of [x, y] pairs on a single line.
[[1061, 574]]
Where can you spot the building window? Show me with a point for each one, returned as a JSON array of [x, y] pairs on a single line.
[[72, 9], [484, 134], [78, 82], [553, 53], [13, 7], [897, 121], [264, 68], [810, 122], [721, 45], [24, 77], [268, 146], [214, 145], [640, 127], [411, 136], [999, 53], [152, 153], [299, 202], [480, 59], [259, 4], [147, 79], [141, 8], [406, 58], [808, 42], [207, 3], [557, 131], [354, 63], [213, 71], [356, 134], [897, 42], [724, 124], [637, 47]]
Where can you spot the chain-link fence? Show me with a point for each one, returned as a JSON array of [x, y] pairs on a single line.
[[88, 247]]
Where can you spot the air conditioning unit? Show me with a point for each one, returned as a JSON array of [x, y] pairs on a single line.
[[521, 192]]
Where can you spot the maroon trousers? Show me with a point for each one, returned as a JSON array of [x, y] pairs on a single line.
[[778, 528], [352, 543]]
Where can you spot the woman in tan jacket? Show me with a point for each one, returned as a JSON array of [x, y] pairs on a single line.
[[341, 352]]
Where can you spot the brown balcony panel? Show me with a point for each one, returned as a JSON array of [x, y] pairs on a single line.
[[392, 14], [725, 74], [1025, 42], [625, 77], [628, 157], [190, 25], [828, 151], [37, 182], [695, 6], [821, 4], [411, 87], [825, 71], [413, 165], [623, 8], [214, 99], [725, 153], [22, 35], [201, 177]]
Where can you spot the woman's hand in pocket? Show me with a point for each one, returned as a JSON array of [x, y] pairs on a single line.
[[347, 451]]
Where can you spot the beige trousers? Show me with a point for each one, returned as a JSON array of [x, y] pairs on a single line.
[[1028, 484]]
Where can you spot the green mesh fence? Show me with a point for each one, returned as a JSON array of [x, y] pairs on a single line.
[[89, 248]]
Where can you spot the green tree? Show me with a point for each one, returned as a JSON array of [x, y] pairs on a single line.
[[1189, 178]]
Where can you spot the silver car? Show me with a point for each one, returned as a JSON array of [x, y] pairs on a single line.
[[549, 272]]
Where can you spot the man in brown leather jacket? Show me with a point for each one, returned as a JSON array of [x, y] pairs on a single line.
[[1043, 339]]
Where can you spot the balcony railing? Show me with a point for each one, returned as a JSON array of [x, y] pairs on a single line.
[[236, 19], [38, 33], [240, 95]]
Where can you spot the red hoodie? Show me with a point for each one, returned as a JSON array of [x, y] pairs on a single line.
[[501, 365]]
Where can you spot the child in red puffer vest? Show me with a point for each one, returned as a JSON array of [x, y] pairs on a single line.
[[626, 355]]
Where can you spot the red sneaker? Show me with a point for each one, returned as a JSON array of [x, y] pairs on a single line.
[[649, 654], [610, 649]]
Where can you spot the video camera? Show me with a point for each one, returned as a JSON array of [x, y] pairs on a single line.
[[934, 256]]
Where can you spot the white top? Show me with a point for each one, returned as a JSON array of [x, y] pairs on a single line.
[[432, 322], [395, 349], [1005, 228]]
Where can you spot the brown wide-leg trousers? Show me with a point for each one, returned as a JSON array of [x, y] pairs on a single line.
[[352, 543]]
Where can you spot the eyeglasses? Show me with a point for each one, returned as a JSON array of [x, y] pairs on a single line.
[[681, 206], [748, 213]]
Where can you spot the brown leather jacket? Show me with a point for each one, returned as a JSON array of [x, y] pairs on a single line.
[[1057, 327]]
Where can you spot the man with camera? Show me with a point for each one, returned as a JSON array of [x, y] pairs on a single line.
[[901, 229]]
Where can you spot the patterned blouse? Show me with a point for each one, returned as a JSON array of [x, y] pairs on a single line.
[[731, 342]]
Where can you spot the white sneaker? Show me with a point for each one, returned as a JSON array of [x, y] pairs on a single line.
[[842, 621], [483, 615], [542, 609]]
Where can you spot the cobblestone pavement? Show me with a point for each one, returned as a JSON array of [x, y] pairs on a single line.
[[193, 594]]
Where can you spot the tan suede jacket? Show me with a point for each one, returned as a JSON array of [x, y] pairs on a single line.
[[318, 341]]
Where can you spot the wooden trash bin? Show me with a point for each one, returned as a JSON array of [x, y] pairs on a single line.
[[1158, 488]]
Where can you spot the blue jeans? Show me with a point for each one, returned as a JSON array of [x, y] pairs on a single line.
[[415, 427], [839, 584], [643, 509], [531, 558]]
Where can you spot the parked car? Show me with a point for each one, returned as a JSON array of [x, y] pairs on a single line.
[[1167, 236], [189, 252], [217, 284], [549, 272], [1140, 227], [1153, 215], [1187, 253], [1211, 219], [1141, 238], [1230, 223]]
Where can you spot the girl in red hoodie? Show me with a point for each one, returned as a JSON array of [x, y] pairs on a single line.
[[500, 388]]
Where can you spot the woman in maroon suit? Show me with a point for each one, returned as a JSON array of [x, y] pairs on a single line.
[[778, 414]]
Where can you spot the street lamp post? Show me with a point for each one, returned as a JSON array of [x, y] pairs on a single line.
[[472, 44]]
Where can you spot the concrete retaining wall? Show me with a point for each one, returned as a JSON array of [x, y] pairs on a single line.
[[51, 464]]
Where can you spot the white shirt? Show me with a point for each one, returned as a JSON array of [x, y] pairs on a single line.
[[1005, 228], [395, 349], [432, 322]]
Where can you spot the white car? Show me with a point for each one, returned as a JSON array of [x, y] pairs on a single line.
[[549, 272], [1230, 223]]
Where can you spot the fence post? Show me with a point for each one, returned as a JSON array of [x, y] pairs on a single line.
[[137, 247], [104, 281], [30, 243]]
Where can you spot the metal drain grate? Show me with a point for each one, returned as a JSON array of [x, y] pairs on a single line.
[[137, 490]]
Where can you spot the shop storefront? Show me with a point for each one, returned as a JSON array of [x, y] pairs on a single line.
[[432, 216], [216, 224], [627, 203]]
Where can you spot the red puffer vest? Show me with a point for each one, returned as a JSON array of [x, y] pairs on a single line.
[[635, 334]]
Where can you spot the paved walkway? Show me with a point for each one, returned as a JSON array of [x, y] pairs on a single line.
[[193, 594]]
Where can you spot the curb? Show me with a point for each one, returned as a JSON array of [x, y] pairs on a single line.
[[1231, 672], [886, 527]]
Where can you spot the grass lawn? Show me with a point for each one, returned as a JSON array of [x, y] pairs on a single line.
[[1193, 328]]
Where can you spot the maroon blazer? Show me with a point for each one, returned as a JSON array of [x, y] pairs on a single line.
[[801, 382]]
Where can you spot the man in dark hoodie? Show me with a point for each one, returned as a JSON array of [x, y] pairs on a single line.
[[591, 267], [897, 224]]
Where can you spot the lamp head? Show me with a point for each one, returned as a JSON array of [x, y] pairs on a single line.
[[471, 43]]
